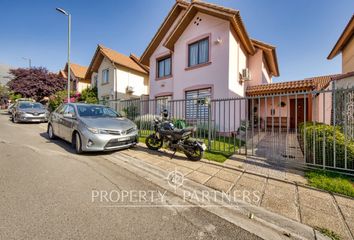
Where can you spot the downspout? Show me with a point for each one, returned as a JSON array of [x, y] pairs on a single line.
[[115, 87]]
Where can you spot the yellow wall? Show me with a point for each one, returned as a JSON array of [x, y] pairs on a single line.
[[348, 57]]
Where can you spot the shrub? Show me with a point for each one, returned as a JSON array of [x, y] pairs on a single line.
[[179, 123], [203, 130], [145, 122], [89, 95], [131, 111], [61, 97], [320, 141], [13, 96]]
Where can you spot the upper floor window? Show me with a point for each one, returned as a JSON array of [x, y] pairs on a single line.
[[105, 76], [164, 67], [198, 52]]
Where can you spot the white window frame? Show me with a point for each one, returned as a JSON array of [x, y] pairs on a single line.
[[105, 76], [197, 43]]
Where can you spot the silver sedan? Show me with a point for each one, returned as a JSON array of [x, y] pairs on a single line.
[[26, 111], [92, 127]]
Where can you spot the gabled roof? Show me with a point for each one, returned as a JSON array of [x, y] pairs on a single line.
[[115, 57], [346, 35], [137, 60], [62, 74], [308, 84], [163, 29], [214, 10], [270, 56], [77, 70]]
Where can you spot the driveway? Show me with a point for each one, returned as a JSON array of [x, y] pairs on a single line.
[[46, 193]]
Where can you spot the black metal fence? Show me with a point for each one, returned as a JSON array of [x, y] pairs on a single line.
[[316, 128]]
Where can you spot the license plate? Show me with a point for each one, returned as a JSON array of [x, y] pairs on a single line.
[[204, 147]]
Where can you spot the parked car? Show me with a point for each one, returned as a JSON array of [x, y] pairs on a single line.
[[90, 127], [28, 111], [24, 100], [12, 105]]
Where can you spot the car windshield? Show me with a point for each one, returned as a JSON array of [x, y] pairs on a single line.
[[96, 111], [23, 105]]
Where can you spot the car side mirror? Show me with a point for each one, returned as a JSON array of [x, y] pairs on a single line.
[[69, 115]]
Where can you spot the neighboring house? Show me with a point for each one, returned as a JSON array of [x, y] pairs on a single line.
[[345, 46], [117, 76], [203, 50], [77, 75]]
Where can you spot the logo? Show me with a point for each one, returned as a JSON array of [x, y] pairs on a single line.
[[175, 179]]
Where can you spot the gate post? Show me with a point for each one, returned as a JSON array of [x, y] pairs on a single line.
[[209, 123]]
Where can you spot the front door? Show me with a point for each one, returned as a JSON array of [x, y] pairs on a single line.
[[296, 112]]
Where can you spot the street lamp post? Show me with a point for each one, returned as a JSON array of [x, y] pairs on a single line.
[[29, 61], [69, 33]]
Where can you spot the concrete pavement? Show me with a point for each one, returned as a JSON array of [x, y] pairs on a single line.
[[290, 198]]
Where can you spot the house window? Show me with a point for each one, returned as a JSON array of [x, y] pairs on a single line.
[[105, 76], [198, 52], [164, 67], [196, 107]]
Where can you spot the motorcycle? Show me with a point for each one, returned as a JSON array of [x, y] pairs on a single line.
[[175, 139]]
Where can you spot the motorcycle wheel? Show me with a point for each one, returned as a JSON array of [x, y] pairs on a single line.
[[197, 154], [153, 143]]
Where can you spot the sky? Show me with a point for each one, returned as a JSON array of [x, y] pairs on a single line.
[[303, 31]]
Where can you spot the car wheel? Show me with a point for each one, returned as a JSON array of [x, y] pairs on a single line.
[[78, 146], [50, 132]]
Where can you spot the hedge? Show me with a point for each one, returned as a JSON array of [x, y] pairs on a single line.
[[321, 139]]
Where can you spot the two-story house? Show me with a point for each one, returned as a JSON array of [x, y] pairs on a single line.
[[202, 49], [345, 46], [78, 82], [117, 76]]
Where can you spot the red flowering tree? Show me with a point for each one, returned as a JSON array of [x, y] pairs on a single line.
[[35, 83]]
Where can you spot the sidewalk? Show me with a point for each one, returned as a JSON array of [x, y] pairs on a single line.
[[286, 195]]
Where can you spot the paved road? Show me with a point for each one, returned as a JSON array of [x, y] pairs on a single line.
[[46, 193]]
